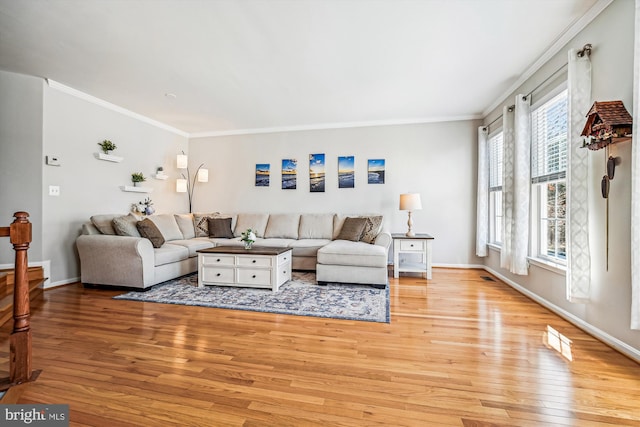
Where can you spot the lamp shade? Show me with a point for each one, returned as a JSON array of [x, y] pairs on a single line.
[[182, 161], [410, 202], [203, 175], [181, 185]]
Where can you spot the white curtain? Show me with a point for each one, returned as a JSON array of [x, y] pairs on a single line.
[[522, 185], [516, 186], [577, 232], [508, 142], [635, 183], [482, 206]]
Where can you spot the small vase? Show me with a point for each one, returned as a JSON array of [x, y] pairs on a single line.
[[136, 184], [247, 245]]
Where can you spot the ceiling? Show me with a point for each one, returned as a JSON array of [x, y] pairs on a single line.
[[234, 66]]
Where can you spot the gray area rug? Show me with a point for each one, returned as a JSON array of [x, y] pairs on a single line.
[[300, 296]]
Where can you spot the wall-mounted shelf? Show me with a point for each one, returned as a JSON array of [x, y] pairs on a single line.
[[133, 189], [161, 176], [108, 157]]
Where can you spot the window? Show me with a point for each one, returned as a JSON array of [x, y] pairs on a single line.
[[495, 188], [548, 178]]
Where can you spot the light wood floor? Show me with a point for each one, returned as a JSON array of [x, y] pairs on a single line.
[[459, 351]]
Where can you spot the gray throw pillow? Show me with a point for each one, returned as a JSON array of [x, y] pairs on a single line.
[[149, 230], [220, 228], [371, 228], [352, 229], [126, 225]]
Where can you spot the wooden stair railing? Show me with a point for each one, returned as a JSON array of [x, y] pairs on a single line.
[[19, 233]]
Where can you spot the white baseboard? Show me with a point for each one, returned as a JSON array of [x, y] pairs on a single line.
[[467, 266], [611, 341]]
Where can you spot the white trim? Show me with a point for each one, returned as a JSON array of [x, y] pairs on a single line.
[[109, 106], [465, 266], [555, 47], [554, 267], [62, 282], [325, 126], [611, 341]]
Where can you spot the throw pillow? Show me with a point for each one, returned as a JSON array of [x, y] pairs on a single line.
[[126, 225], [352, 229], [201, 223], [148, 229], [371, 228], [220, 228]]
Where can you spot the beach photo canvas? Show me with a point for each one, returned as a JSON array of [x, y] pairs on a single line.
[[262, 174], [375, 171], [346, 172], [316, 173], [289, 174]]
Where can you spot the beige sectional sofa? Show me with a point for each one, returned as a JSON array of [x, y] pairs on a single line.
[[112, 251]]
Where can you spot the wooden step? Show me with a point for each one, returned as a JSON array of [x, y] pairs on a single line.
[[7, 278]]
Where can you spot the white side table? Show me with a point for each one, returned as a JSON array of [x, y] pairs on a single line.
[[420, 244]]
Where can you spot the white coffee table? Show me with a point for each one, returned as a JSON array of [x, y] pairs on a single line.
[[265, 267]]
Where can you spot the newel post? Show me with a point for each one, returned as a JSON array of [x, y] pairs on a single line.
[[20, 342]]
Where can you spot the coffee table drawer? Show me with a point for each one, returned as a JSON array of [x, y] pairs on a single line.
[[254, 261], [218, 260], [218, 275], [254, 277]]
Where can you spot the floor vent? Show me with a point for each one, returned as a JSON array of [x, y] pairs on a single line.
[[487, 278]]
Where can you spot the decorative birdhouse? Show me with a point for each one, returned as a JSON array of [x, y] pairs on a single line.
[[605, 121]]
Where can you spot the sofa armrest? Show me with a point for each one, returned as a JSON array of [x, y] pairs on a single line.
[[383, 239], [116, 260]]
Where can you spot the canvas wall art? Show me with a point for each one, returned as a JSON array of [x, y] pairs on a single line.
[[346, 174], [375, 171], [316, 173], [289, 174], [262, 174]]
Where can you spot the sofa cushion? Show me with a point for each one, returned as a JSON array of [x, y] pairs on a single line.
[[126, 225], [343, 252], [170, 253], [104, 223], [307, 247], [220, 228], [201, 223], [352, 229], [150, 231], [284, 226], [316, 226], [168, 226], [185, 224], [193, 245], [372, 227], [255, 221], [274, 242]]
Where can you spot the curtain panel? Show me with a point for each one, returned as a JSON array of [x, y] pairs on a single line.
[[577, 231], [635, 183], [522, 185], [482, 205], [508, 142]]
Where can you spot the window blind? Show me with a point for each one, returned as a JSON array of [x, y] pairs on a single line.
[[495, 162], [549, 140]]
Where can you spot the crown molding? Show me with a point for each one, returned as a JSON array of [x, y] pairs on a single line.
[[109, 106], [329, 126], [549, 53]]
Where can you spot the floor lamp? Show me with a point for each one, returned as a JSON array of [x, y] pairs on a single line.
[[184, 184]]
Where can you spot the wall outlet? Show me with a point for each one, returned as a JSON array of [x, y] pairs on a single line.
[[54, 190], [53, 160]]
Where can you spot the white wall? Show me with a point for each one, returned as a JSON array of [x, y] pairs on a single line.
[[438, 160], [20, 158], [72, 129], [608, 310]]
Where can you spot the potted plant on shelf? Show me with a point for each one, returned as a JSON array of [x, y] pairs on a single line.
[[107, 146], [248, 237], [137, 178]]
